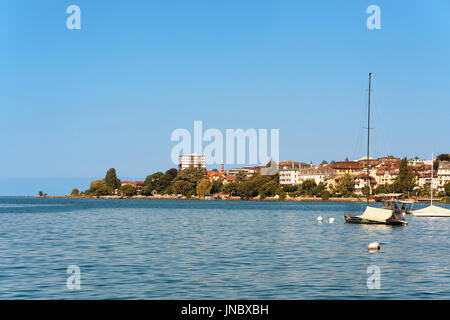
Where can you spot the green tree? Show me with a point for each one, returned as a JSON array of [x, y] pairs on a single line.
[[405, 181], [151, 183], [204, 188], [182, 187], [308, 187], [246, 190], [99, 188], [240, 176], [325, 195], [111, 179], [217, 187], [268, 189], [319, 189], [447, 189], [231, 188], [75, 192], [127, 190], [41, 193], [346, 186], [192, 177]]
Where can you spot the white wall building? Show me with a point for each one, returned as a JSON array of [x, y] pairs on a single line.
[[443, 174], [317, 173], [191, 161]]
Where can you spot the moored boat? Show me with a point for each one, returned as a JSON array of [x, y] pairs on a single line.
[[374, 215]]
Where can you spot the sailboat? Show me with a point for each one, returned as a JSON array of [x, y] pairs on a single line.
[[373, 215], [432, 210]]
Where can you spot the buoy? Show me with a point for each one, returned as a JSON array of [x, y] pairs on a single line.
[[319, 218], [374, 246], [331, 220]]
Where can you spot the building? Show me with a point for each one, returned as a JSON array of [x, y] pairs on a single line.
[[344, 167], [288, 171], [215, 175], [443, 174], [191, 161], [425, 181], [270, 169], [361, 182], [248, 171], [385, 174], [137, 184], [316, 173]]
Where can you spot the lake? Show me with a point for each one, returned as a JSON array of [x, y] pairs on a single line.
[[187, 249]]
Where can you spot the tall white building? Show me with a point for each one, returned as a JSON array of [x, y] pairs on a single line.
[[191, 161]]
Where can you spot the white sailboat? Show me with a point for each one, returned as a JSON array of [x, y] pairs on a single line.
[[431, 210], [373, 215]]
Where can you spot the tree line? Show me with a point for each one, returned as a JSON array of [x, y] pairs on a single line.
[[194, 182]]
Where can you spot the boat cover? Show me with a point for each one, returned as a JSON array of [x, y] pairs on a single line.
[[376, 214], [432, 209]]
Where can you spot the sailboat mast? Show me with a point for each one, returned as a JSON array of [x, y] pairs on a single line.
[[368, 140], [431, 184]]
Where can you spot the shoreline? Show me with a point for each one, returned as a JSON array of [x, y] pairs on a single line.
[[269, 199]]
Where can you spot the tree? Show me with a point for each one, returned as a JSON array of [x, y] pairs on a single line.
[[191, 177], [182, 187], [151, 183], [41, 193], [447, 189], [217, 187], [99, 188], [405, 181], [324, 162], [230, 188], [240, 176], [111, 179], [127, 190], [346, 186], [326, 195], [75, 192], [308, 186], [247, 189], [204, 188], [268, 189]]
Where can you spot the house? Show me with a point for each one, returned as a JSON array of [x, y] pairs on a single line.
[[215, 175], [443, 174], [344, 167], [289, 172], [191, 161], [361, 182], [316, 173], [137, 184], [385, 174]]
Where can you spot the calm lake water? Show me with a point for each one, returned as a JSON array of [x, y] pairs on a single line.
[[181, 249]]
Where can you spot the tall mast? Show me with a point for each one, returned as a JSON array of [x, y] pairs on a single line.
[[431, 184], [368, 142]]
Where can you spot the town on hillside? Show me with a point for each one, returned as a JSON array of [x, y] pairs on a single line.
[[413, 178]]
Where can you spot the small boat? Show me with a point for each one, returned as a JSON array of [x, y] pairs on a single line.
[[431, 210], [399, 206], [374, 215]]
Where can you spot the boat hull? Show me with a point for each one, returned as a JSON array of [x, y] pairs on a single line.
[[355, 219], [431, 214]]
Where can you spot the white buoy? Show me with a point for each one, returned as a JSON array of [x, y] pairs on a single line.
[[374, 246], [331, 220], [319, 218]]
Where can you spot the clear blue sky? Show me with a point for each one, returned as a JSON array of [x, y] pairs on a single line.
[[74, 103]]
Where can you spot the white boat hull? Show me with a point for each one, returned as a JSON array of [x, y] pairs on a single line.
[[431, 214]]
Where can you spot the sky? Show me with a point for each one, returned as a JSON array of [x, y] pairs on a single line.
[[74, 103]]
